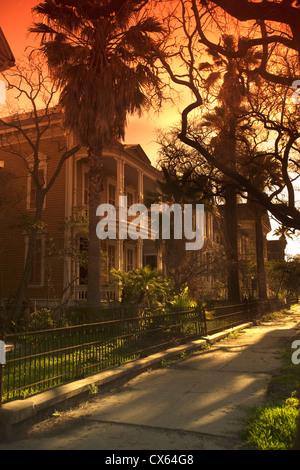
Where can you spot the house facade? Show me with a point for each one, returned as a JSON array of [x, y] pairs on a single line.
[[59, 271], [210, 280], [59, 267], [127, 171]]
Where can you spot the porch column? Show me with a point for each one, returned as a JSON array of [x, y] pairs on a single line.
[[120, 177], [159, 259], [120, 251], [120, 192], [140, 196], [140, 186]]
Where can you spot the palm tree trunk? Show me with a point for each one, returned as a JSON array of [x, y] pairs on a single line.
[[260, 262], [95, 187], [233, 284]]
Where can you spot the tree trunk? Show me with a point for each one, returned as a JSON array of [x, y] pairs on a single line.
[[260, 261], [232, 244], [95, 187]]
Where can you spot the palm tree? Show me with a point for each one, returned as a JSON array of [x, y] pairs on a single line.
[[143, 286], [100, 52], [263, 170], [224, 120], [227, 121]]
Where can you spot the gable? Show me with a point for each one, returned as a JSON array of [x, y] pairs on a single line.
[[137, 152], [7, 59]]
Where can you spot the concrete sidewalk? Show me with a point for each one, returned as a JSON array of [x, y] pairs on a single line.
[[197, 402]]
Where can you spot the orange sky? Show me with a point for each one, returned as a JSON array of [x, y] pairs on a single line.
[[15, 19]]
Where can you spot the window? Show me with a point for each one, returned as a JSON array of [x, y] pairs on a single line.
[[37, 270], [129, 260], [111, 194], [208, 266], [207, 225], [33, 189], [129, 199], [151, 261], [111, 257]]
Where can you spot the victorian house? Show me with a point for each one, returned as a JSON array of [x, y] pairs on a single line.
[[59, 268]]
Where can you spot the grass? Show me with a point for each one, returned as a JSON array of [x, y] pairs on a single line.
[[41, 361], [26, 376], [273, 425]]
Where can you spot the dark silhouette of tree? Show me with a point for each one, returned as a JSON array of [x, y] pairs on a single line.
[[270, 103], [274, 27], [101, 54], [185, 180]]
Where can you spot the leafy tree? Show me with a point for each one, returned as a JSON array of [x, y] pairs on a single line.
[[224, 120], [178, 186], [229, 139], [284, 276], [101, 55]]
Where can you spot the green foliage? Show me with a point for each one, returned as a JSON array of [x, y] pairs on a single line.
[[143, 286], [273, 425], [284, 276], [183, 300], [41, 319]]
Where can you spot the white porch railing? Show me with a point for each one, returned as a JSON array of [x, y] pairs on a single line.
[[107, 293]]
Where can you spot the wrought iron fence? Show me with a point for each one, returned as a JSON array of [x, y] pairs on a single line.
[[229, 316], [43, 358]]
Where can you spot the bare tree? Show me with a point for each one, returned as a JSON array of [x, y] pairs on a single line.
[[33, 116], [271, 104], [270, 26]]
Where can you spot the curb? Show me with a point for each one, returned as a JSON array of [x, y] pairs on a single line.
[[21, 411]]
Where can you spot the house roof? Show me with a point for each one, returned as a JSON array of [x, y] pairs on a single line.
[[137, 151], [7, 59]]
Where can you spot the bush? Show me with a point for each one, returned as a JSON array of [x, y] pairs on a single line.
[[143, 286], [183, 300], [41, 319]]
